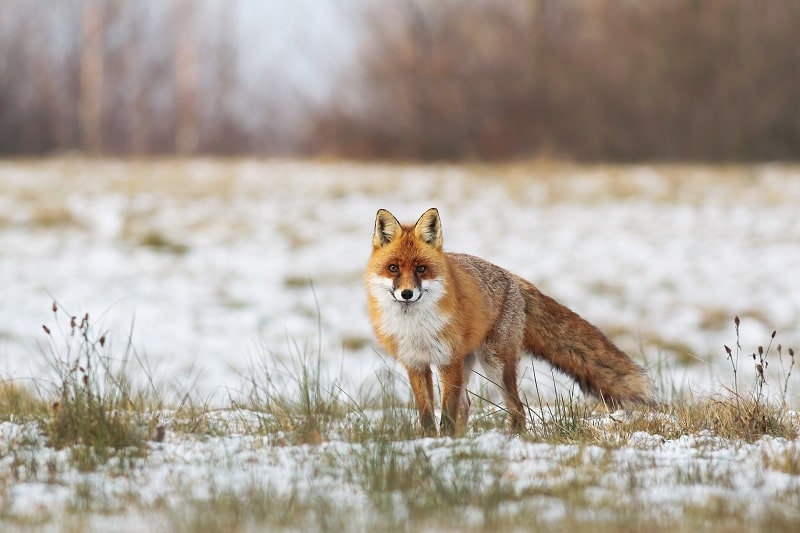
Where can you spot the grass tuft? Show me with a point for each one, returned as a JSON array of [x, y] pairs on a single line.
[[409, 482], [96, 411], [19, 404], [293, 402], [749, 414]]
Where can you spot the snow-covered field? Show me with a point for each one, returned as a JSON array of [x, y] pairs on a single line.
[[217, 263], [216, 267], [683, 481]]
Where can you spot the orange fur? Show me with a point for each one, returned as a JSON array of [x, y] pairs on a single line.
[[429, 307]]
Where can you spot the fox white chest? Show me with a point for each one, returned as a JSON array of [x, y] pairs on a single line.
[[416, 328]]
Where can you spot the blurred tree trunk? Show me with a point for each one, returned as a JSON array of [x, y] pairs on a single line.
[[91, 85], [135, 97], [220, 89], [186, 130]]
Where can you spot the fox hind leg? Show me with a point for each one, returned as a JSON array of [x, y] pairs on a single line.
[[463, 410], [511, 397], [502, 371]]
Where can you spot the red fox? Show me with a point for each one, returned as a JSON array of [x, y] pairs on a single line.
[[429, 307]]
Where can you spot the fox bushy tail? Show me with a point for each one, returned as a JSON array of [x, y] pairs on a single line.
[[580, 350]]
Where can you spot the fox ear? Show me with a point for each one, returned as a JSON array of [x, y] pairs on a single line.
[[386, 228], [428, 228]]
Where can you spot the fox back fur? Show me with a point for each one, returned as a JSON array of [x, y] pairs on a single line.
[[429, 307]]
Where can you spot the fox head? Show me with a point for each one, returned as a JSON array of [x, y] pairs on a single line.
[[407, 261]]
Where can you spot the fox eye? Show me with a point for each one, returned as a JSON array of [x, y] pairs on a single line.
[[420, 269], [393, 268]]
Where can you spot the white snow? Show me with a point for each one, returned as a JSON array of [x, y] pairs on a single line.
[[667, 475]]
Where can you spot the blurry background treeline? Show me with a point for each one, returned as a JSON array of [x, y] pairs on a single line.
[[616, 80]]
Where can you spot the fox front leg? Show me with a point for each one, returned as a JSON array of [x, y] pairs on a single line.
[[422, 387], [452, 379]]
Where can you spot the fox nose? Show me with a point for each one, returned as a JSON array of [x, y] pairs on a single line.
[[407, 294]]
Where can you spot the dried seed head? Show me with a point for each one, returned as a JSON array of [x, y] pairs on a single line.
[[73, 322], [760, 350], [791, 352], [736, 320], [728, 350], [46, 329], [55, 307], [103, 340], [773, 333]]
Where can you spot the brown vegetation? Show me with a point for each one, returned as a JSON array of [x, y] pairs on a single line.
[[447, 80], [119, 77], [590, 80]]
